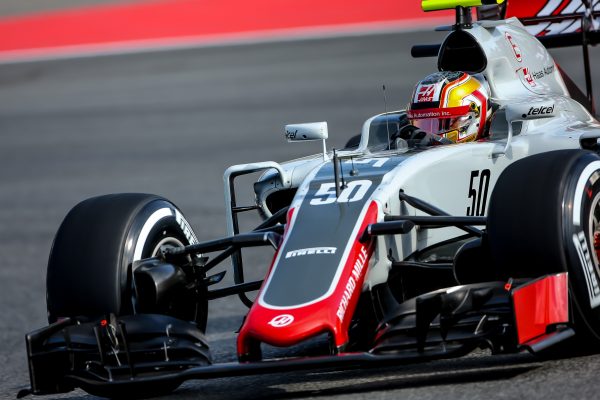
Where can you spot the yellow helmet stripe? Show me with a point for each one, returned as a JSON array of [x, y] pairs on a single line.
[[444, 94], [457, 93]]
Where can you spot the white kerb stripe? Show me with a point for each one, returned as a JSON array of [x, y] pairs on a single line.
[[150, 222], [583, 178]]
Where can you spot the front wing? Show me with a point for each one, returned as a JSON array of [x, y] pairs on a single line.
[[153, 353]]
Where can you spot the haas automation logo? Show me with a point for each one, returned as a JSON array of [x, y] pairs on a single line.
[[425, 93], [281, 320]]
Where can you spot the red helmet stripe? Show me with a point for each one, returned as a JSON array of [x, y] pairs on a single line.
[[483, 117]]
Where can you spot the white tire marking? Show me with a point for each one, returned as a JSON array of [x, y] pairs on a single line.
[[148, 225], [583, 178]]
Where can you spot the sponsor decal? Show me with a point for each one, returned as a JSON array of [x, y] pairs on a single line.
[[291, 135], [589, 271], [352, 283], [439, 112], [528, 76], [515, 47], [425, 93], [429, 114], [531, 76], [542, 110], [281, 320], [186, 228], [311, 251], [543, 73]]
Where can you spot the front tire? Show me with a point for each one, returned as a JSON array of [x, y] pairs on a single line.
[[90, 266], [543, 218]]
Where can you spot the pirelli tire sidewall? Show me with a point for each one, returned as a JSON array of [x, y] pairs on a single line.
[[581, 193], [90, 265]]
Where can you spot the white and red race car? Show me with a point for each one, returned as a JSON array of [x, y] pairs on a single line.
[[375, 251]]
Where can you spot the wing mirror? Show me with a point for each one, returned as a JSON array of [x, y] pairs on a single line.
[[307, 132]]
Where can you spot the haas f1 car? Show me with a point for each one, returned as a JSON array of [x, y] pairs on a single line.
[[387, 250]]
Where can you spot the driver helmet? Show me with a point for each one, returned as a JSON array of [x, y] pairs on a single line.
[[452, 104]]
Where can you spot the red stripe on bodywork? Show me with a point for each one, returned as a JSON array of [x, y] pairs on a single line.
[[540, 304]]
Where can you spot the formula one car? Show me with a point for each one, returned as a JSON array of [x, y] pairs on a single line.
[[376, 252]]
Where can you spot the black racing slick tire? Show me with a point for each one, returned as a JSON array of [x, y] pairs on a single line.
[[90, 266], [544, 217]]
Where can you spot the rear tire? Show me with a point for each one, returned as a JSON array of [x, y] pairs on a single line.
[[90, 266], [544, 213]]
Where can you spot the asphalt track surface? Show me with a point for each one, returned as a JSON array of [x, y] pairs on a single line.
[[170, 123]]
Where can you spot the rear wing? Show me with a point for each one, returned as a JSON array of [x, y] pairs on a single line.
[[555, 17], [556, 23]]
